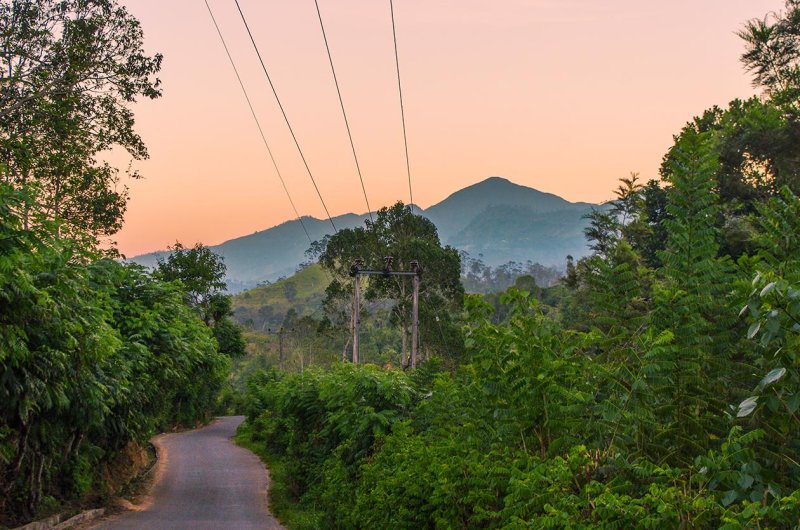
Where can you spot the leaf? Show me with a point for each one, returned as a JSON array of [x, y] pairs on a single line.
[[794, 403], [767, 289], [729, 497], [743, 311], [745, 481], [747, 406], [754, 327], [773, 376]]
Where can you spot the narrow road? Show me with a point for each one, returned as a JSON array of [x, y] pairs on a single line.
[[205, 482]]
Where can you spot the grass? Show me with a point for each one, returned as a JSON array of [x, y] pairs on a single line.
[[282, 503]]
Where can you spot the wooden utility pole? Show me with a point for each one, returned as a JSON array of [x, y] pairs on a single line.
[[356, 271], [414, 314], [356, 311]]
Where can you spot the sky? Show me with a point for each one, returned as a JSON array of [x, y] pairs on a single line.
[[565, 96]]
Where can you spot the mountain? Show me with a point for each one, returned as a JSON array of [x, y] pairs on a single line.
[[495, 218], [459, 209], [506, 222], [268, 254]]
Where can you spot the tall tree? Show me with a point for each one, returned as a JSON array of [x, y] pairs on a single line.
[[201, 272], [691, 303], [69, 70], [773, 53], [406, 237]]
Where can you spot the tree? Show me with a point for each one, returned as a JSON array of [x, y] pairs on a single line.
[[647, 234], [201, 274], [406, 237], [773, 308], [757, 138], [602, 232], [627, 205], [773, 52], [92, 356], [690, 302], [68, 73]]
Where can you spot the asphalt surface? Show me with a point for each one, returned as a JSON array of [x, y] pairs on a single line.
[[205, 482]]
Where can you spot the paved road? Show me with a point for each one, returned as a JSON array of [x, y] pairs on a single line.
[[206, 482]]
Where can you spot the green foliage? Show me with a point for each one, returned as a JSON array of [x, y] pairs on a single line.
[[634, 398], [200, 271], [229, 338], [93, 354], [200, 274], [773, 52], [495, 445], [69, 72], [690, 302]]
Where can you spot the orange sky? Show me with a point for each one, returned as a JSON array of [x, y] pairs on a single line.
[[562, 95]]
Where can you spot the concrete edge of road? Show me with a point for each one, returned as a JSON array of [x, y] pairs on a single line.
[[54, 522]]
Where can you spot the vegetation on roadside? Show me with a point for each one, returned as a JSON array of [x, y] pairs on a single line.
[[657, 387], [96, 356]]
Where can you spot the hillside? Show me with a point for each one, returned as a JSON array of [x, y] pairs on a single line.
[[497, 218], [266, 306], [268, 254], [521, 233]]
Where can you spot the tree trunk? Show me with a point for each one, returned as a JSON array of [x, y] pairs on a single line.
[[344, 350]]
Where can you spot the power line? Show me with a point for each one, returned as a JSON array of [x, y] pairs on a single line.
[[255, 117], [344, 114], [285, 117], [402, 110]]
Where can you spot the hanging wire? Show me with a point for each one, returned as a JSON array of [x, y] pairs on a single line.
[[258, 123], [402, 109], [344, 114], [285, 117]]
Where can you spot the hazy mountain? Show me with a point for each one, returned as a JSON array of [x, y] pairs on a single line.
[[508, 222], [459, 209], [501, 220], [268, 254]]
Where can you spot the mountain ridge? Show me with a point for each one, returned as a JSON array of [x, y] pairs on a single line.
[[495, 219]]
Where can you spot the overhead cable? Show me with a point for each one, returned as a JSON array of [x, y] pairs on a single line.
[[341, 104], [258, 123], [285, 117], [402, 109]]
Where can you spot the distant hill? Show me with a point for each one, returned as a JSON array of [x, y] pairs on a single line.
[[508, 222], [269, 254], [462, 207], [495, 218], [265, 307]]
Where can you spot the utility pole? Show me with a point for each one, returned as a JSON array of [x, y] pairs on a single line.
[[415, 313], [356, 307], [280, 333], [356, 271]]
